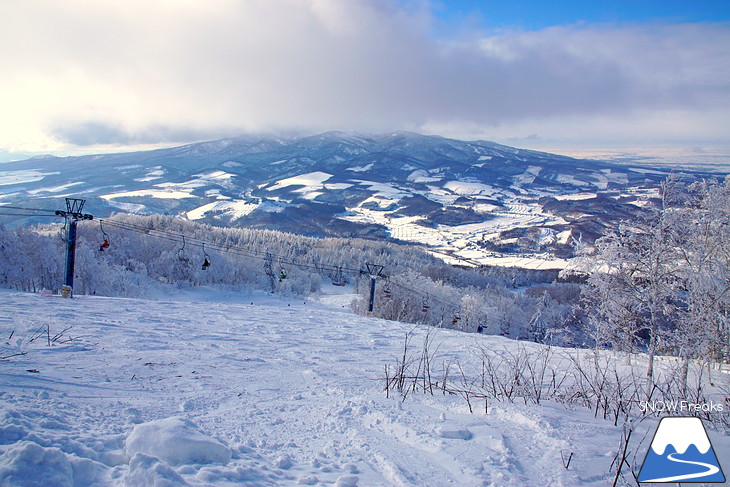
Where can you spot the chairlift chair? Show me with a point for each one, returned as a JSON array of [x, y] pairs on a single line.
[[105, 244], [206, 260], [338, 280], [386, 290], [181, 252], [268, 265]]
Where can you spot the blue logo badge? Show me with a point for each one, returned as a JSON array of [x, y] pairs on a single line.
[[681, 452]]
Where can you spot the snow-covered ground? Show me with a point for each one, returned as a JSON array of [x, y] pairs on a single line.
[[214, 388], [24, 176], [458, 244]]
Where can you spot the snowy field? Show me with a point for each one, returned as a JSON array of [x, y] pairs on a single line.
[[459, 244], [210, 388]]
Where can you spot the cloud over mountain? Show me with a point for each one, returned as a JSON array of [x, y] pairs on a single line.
[[89, 73]]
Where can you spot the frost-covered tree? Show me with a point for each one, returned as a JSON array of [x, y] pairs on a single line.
[[540, 320], [703, 235], [147, 256], [663, 280]]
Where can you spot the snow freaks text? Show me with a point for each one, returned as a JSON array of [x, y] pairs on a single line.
[[680, 407]]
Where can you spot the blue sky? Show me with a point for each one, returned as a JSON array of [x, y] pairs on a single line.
[[537, 14], [95, 76]]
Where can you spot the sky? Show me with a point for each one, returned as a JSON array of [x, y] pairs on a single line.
[[84, 76], [539, 14]]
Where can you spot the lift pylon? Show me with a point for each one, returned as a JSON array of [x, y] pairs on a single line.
[[72, 214]]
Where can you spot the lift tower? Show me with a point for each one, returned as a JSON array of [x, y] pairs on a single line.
[[72, 214]]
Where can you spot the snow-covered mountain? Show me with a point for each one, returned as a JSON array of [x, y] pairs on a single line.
[[478, 200]]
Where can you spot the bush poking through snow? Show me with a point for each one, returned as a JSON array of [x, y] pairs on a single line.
[[534, 374]]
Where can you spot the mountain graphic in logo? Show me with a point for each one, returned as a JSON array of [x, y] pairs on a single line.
[[681, 452]]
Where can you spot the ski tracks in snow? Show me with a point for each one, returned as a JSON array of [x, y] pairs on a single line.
[[295, 390]]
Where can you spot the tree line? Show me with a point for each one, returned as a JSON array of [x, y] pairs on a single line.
[[659, 283]]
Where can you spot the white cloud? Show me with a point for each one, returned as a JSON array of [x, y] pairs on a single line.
[[89, 72]]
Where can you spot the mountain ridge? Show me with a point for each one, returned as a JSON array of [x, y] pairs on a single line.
[[475, 200]]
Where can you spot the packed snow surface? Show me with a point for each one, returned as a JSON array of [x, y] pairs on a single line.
[[237, 208], [312, 180], [213, 388], [155, 193], [54, 189], [23, 176], [575, 196]]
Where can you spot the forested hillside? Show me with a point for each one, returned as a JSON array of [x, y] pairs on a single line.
[[660, 283]]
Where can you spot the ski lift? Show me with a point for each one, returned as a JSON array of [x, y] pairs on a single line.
[[181, 252], [105, 244], [268, 264], [387, 293], [282, 272], [457, 317], [424, 304], [64, 232], [206, 260], [339, 279]]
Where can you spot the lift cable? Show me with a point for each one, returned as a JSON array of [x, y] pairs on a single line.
[[236, 250], [396, 281], [7, 213], [27, 209]]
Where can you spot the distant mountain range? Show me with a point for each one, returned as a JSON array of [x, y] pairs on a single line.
[[477, 201]]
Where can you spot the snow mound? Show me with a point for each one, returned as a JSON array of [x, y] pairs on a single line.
[[177, 441], [11, 433], [455, 434], [347, 481], [147, 471], [284, 462], [27, 464]]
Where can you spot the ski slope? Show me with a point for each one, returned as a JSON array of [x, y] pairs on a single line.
[[213, 388]]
